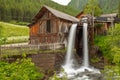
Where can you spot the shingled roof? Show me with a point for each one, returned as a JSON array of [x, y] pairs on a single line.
[[109, 15], [56, 13]]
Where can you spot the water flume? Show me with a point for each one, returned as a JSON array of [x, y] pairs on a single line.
[[70, 70]]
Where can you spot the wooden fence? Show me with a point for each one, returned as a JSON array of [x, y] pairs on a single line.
[[29, 49]]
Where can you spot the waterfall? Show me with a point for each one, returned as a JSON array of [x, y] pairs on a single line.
[[84, 72], [85, 46], [71, 44], [68, 66]]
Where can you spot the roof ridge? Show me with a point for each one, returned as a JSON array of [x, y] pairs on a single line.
[[60, 14]]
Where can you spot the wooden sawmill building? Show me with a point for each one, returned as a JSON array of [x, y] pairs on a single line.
[[50, 26]]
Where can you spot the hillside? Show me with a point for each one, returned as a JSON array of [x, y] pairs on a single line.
[[108, 6], [24, 10], [10, 33], [11, 30], [78, 4]]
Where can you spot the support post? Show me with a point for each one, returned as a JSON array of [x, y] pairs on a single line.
[[92, 36]]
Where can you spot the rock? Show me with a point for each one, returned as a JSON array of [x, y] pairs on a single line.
[[89, 75]]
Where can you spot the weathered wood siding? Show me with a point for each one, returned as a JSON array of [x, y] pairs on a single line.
[[34, 30], [58, 30]]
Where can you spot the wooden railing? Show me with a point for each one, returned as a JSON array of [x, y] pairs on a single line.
[[19, 49]]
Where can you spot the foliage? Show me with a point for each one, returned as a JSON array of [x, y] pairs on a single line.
[[104, 4], [24, 10], [110, 46], [93, 8], [111, 73], [115, 51], [22, 69], [95, 59], [57, 77]]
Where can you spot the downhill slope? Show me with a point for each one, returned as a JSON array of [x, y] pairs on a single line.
[[11, 30]]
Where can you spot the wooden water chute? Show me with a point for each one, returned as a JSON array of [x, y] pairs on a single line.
[[79, 34], [107, 21], [50, 26]]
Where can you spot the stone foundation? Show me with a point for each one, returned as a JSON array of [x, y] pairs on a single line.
[[45, 61], [48, 61]]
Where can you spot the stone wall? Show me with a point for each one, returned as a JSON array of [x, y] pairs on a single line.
[[48, 61], [45, 61]]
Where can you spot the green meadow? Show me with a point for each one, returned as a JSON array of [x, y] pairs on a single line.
[[11, 33]]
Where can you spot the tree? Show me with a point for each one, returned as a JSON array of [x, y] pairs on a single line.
[[25, 10], [93, 8]]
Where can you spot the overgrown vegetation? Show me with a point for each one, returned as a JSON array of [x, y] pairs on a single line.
[[110, 47], [108, 44], [57, 77], [22, 69]]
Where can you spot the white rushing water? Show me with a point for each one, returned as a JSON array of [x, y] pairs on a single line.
[[82, 72], [85, 45], [68, 66]]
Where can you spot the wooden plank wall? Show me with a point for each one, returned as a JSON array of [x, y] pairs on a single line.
[[38, 32]]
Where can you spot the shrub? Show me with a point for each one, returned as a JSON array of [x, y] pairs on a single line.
[[22, 69], [108, 43], [110, 47], [56, 77]]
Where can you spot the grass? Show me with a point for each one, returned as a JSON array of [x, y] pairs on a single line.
[[18, 39], [11, 33], [11, 30]]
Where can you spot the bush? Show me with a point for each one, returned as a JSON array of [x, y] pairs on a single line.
[[110, 47], [22, 69], [108, 43], [111, 73], [56, 77]]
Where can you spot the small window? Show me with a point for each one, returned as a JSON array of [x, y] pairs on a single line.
[[48, 26]]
